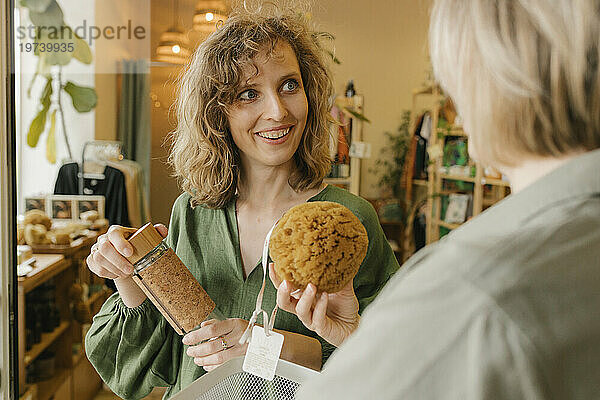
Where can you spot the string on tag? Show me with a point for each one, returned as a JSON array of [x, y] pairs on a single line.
[[268, 322]]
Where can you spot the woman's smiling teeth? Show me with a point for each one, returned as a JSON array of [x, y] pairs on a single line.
[[274, 135]]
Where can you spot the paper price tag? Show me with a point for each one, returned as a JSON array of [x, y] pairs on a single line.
[[263, 353], [360, 149], [435, 152]]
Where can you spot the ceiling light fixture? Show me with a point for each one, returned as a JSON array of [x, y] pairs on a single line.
[[173, 46], [208, 14]]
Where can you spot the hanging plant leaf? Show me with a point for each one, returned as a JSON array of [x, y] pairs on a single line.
[[51, 16], [357, 114], [38, 6], [333, 57], [84, 98], [82, 51], [51, 139], [46, 93], [36, 128], [39, 122], [55, 46]]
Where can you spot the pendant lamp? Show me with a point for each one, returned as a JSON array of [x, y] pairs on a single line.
[[173, 46], [207, 15]]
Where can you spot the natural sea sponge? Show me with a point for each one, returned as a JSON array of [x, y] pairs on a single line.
[[318, 242]]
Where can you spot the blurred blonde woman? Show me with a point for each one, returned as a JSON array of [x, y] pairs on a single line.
[[507, 306], [251, 142]]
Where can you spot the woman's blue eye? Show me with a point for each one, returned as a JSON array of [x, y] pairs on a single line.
[[248, 95], [291, 85]]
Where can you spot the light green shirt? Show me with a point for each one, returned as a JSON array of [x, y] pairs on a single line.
[[505, 307], [135, 349]]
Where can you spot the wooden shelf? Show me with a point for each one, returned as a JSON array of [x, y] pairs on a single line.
[[428, 88], [64, 266], [420, 182], [457, 177], [446, 224], [495, 182], [46, 266], [47, 340], [67, 249], [453, 131], [47, 389]]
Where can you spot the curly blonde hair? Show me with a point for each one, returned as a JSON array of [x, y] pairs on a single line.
[[205, 159]]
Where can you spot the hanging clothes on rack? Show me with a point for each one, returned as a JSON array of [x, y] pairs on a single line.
[[95, 177], [137, 203], [103, 171], [112, 187]]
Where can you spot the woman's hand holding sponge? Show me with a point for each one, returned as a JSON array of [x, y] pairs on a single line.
[[317, 249]]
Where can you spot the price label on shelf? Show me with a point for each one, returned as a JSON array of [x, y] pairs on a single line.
[[435, 152], [360, 149]]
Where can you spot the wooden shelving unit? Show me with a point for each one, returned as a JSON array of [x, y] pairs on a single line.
[[352, 182], [65, 266], [463, 178], [446, 224], [431, 191], [453, 131], [437, 188], [47, 340], [418, 190], [46, 267]]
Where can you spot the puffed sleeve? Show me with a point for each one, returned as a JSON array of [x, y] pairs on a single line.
[[133, 349]]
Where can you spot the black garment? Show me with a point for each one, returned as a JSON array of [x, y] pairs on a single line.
[[421, 156], [112, 187], [66, 181]]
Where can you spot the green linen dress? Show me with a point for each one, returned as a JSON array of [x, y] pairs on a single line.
[[135, 349]]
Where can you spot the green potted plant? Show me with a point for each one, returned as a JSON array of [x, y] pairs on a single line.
[[390, 167], [55, 45]]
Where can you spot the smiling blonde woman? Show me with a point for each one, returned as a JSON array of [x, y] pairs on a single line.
[[251, 142], [203, 154]]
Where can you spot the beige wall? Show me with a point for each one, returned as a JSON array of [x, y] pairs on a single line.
[[382, 46], [106, 109]]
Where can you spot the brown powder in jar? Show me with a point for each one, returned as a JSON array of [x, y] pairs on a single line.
[[177, 290]]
